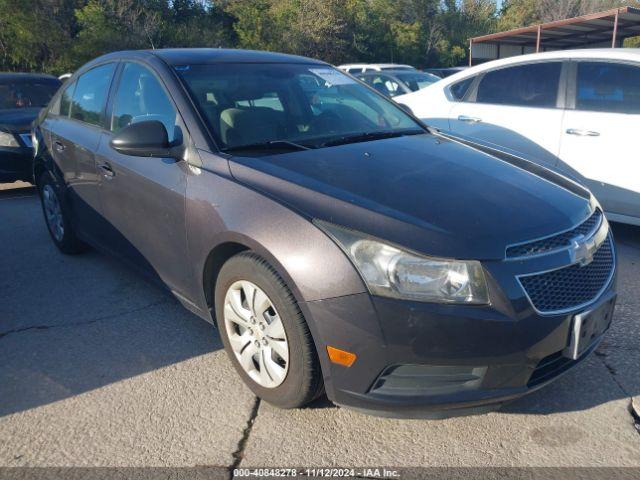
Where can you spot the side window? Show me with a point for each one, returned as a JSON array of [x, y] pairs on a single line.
[[63, 102], [534, 85], [90, 95], [139, 98], [459, 89], [608, 87]]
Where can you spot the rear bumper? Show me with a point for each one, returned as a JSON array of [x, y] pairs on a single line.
[[16, 163], [468, 359]]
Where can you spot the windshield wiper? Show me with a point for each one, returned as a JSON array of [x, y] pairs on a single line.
[[368, 136], [270, 145]]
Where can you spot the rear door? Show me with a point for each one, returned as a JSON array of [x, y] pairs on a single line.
[[75, 135], [53, 128], [143, 198], [599, 133], [519, 107]]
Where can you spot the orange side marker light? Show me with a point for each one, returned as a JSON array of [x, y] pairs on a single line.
[[341, 357]]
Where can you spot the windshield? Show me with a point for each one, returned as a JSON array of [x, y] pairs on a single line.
[[26, 94], [417, 81], [290, 106]]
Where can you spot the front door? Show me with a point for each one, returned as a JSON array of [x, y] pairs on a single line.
[[517, 108], [143, 198]]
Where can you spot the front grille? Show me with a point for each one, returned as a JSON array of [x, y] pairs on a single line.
[[556, 242], [571, 287]]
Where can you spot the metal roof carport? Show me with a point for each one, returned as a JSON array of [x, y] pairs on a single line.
[[602, 29]]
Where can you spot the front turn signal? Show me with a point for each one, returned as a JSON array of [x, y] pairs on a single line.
[[341, 357]]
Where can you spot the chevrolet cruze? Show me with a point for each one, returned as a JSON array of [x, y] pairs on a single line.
[[338, 244]]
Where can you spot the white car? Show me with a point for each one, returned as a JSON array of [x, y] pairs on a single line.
[[354, 68], [576, 111]]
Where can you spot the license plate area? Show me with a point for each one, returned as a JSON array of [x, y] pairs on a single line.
[[587, 327]]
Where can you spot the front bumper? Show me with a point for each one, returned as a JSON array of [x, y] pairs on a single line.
[[504, 344], [16, 163]]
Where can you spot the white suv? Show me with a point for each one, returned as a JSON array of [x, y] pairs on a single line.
[[577, 111]]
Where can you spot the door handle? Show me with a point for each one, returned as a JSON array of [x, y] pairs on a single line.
[[464, 118], [59, 146], [107, 171], [582, 133]]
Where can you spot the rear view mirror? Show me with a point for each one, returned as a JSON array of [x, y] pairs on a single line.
[[145, 139]]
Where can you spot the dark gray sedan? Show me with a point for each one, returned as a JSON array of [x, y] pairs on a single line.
[[335, 241]]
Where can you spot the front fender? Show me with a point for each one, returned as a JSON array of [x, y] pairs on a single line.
[[221, 210]]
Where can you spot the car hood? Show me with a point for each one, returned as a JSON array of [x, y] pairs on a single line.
[[18, 119], [425, 192]]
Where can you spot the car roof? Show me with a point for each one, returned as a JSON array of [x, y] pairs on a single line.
[[204, 56], [596, 53], [184, 56], [584, 53], [24, 77]]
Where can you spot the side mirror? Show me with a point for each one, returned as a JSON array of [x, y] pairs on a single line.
[[145, 139]]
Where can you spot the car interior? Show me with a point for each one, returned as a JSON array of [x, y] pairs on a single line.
[[246, 113]]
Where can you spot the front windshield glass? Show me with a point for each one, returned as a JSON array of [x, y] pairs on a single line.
[[26, 94], [303, 105], [417, 81]]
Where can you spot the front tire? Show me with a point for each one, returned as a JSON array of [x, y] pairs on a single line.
[[265, 333], [56, 217]]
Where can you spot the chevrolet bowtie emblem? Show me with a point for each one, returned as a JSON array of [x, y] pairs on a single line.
[[582, 250]]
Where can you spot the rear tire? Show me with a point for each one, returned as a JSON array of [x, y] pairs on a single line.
[[266, 336], [57, 218]]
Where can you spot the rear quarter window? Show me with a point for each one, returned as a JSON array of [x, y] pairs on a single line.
[[62, 103], [459, 89]]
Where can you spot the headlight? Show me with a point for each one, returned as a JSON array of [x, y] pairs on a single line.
[[8, 140], [390, 271]]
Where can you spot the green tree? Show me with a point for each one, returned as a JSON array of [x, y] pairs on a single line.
[[197, 23], [35, 35], [108, 25]]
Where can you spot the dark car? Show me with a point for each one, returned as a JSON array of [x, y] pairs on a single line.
[[444, 72], [22, 96], [336, 242], [394, 83]]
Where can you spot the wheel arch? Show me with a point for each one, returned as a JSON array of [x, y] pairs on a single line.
[[230, 244], [217, 257]]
